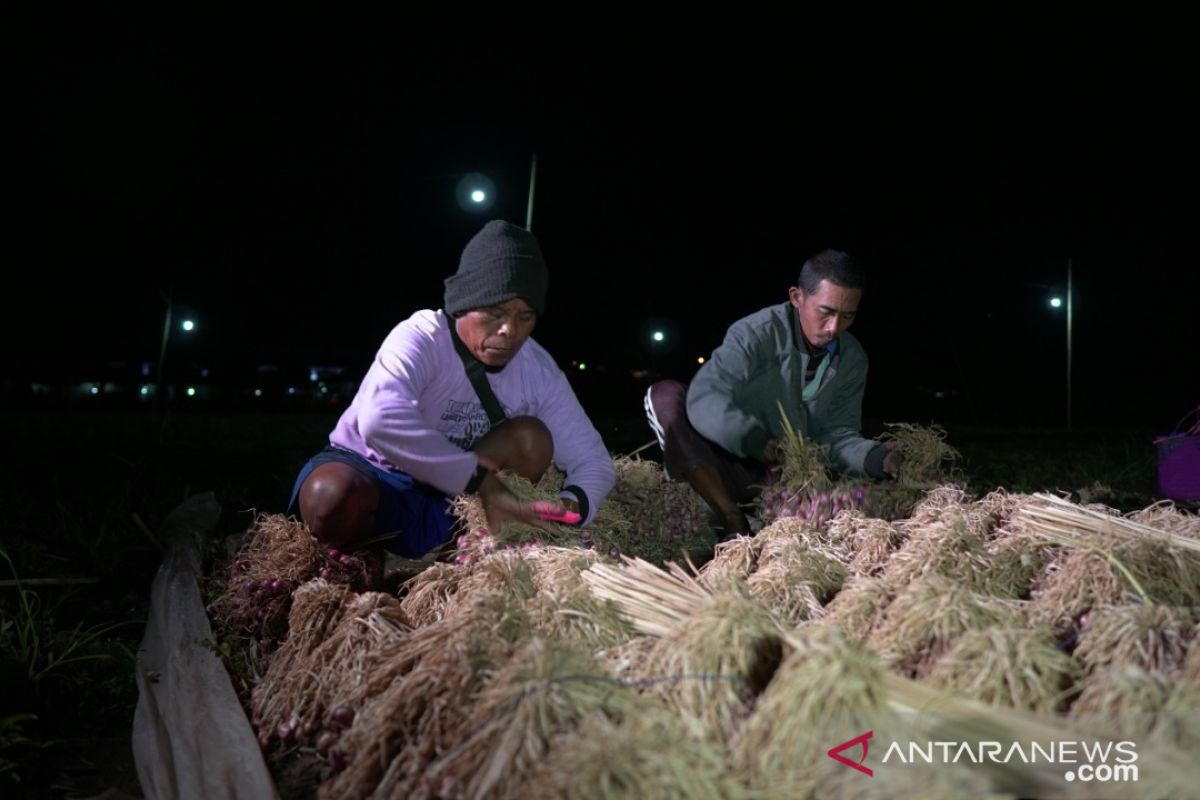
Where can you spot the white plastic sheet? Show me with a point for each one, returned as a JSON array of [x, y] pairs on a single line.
[[191, 738]]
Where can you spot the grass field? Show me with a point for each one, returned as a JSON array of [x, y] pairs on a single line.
[[83, 495]]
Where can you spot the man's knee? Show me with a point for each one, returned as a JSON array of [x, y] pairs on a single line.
[[667, 396], [530, 436], [337, 502], [665, 405], [522, 444]]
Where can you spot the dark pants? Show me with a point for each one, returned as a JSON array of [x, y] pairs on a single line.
[[684, 449], [419, 513]]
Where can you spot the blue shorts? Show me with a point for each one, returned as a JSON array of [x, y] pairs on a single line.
[[420, 513]]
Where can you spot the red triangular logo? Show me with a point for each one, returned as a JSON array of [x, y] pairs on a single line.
[[836, 752]]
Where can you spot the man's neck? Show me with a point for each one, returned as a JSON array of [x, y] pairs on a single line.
[[812, 350]]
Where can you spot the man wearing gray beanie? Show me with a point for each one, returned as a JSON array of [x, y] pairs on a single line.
[[454, 396]]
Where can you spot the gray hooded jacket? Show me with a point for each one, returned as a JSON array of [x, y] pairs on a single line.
[[734, 398]]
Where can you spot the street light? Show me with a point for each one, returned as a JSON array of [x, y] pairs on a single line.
[[475, 192], [187, 325], [1070, 298], [1058, 302]]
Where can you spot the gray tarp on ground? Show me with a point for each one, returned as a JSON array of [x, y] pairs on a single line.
[[191, 738]]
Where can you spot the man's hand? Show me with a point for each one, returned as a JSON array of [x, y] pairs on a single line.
[[500, 505], [893, 459], [555, 513]]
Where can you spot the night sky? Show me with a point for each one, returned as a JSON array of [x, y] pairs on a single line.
[[292, 183]]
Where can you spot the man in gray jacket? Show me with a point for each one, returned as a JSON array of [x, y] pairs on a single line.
[[722, 431]]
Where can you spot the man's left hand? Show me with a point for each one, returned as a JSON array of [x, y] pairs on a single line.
[[893, 459]]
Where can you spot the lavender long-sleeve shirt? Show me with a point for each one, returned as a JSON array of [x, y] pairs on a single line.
[[417, 412]]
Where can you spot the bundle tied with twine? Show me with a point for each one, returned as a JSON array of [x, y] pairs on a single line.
[[543, 691], [564, 609], [647, 753], [733, 561], [504, 573], [476, 540], [830, 689], [927, 463], [626, 661], [1179, 722], [826, 686], [657, 601], [860, 605], [797, 581], [421, 703], [544, 581], [929, 615], [1167, 517], [317, 608], [803, 464], [644, 516], [415, 706], [310, 693], [1121, 700], [786, 532], [1016, 667], [943, 546], [870, 542], [279, 555], [715, 649], [783, 535], [927, 456], [426, 597], [800, 485], [1108, 560], [1012, 564], [940, 501], [710, 667], [1155, 638]]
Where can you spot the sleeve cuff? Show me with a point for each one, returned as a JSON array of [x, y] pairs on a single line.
[[873, 463], [477, 477], [581, 498], [754, 443]]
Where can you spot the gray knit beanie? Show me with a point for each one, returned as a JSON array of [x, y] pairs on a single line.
[[500, 262]]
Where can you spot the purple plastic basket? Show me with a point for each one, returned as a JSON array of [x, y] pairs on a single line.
[[1179, 461]]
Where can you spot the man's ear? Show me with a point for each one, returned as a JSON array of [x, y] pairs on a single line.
[[796, 296]]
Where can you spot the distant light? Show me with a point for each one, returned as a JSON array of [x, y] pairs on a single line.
[[658, 336], [700, 360], [188, 325], [582, 366], [258, 392], [291, 390], [204, 372], [191, 391], [144, 391], [475, 192], [95, 390], [312, 375], [1056, 302]]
